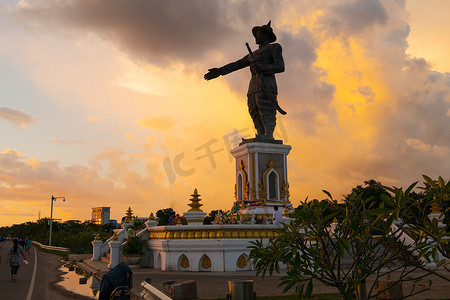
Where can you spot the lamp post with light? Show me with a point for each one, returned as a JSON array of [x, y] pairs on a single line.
[[51, 217]]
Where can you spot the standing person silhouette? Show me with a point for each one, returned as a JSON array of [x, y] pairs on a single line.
[[14, 257]]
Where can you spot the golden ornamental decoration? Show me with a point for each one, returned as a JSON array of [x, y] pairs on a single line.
[[246, 194], [97, 236], [242, 205], [241, 166], [284, 193], [242, 262], [151, 217], [206, 262], [195, 205], [184, 263], [262, 190], [271, 164], [129, 215], [435, 208], [213, 234], [245, 183], [115, 237]]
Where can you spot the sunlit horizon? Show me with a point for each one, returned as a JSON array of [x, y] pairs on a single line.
[[100, 102]]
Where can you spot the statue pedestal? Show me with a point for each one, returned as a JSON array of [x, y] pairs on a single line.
[[261, 178]]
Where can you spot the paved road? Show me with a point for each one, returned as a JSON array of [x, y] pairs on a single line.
[[45, 278]]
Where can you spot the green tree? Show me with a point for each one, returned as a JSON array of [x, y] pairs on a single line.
[[346, 255], [163, 216], [432, 235], [210, 217]]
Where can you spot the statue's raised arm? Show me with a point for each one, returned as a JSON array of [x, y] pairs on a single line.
[[262, 93]]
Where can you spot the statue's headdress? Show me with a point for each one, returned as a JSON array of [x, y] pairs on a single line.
[[266, 28]]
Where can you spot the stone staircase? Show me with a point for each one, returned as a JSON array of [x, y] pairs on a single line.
[[106, 257]]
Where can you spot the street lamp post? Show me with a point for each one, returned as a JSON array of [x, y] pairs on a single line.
[[51, 217]]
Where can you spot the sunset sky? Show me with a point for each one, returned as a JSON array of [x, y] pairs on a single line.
[[104, 102]]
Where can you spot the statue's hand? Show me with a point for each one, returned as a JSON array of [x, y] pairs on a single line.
[[213, 73]]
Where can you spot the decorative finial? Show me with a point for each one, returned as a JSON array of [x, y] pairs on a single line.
[[151, 217], [241, 166], [435, 208], [271, 164], [195, 202], [129, 215], [97, 236], [270, 22]]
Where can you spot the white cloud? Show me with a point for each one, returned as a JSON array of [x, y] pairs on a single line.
[[94, 118], [16, 117], [427, 148]]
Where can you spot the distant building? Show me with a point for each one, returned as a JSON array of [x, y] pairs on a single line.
[[101, 215]]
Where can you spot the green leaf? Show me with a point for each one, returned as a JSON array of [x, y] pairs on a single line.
[[345, 244], [309, 288], [408, 190], [441, 262], [429, 181], [441, 182], [328, 194]]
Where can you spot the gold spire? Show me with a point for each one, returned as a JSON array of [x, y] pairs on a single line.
[[151, 217], [195, 202], [435, 208], [129, 215]]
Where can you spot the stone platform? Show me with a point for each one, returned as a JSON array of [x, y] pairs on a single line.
[[215, 285]]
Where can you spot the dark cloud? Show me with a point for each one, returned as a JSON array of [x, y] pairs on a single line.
[[352, 17], [157, 31], [16, 117]]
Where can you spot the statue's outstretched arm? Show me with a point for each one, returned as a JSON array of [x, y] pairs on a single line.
[[231, 67]]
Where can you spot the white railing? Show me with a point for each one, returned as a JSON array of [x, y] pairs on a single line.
[[152, 293], [143, 235], [121, 235], [408, 241], [53, 248]]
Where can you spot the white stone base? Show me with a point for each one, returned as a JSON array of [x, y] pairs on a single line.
[[223, 254], [195, 217], [202, 254]]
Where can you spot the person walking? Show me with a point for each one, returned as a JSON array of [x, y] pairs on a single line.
[[28, 246], [14, 257]]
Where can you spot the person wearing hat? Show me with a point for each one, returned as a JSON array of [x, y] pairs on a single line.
[[262, 91]]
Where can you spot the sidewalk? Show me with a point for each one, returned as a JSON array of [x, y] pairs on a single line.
[[211, 285]]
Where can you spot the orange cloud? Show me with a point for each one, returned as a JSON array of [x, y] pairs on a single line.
[[160, 123]]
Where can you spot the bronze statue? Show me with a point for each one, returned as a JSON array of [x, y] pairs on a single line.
[[262, 91]]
